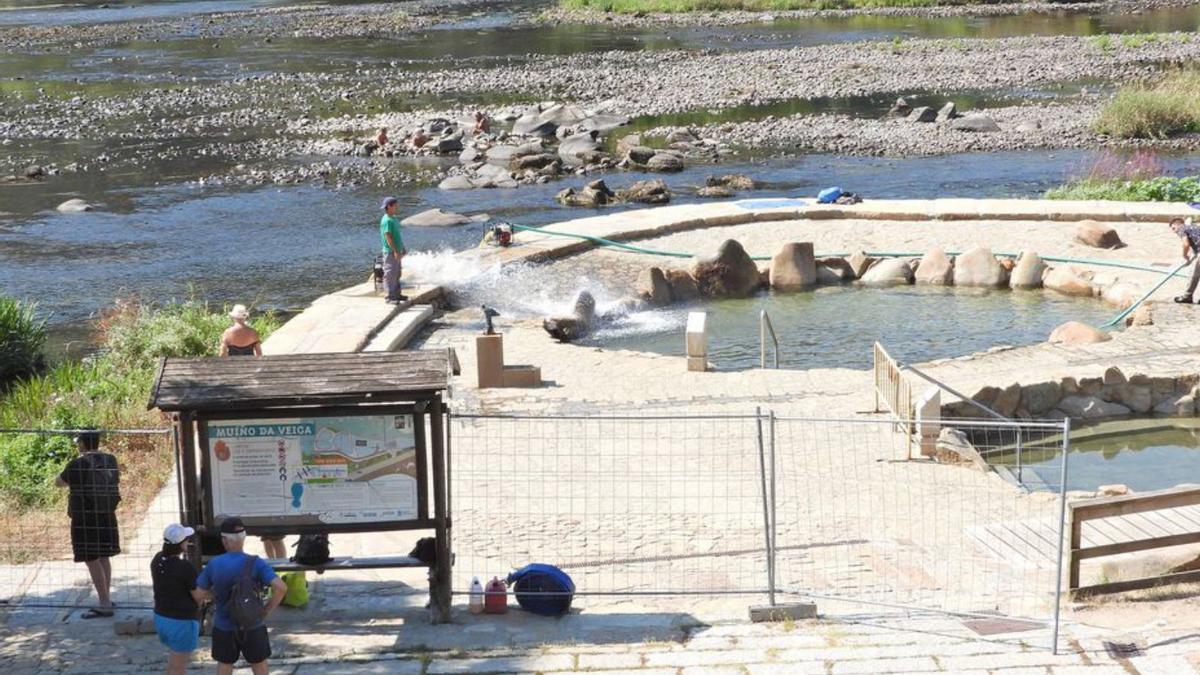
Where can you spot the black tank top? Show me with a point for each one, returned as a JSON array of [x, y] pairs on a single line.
[[248, 350]]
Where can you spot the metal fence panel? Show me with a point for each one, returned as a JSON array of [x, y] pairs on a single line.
[[626, 505], [37, 567], [856, 522]]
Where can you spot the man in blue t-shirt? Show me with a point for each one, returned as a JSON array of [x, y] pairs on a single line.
[[216, 582]]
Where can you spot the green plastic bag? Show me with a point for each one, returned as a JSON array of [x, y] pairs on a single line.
[[297, 589]]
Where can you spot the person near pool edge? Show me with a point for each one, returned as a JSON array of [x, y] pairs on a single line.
[[1190, 234], [392, 247]]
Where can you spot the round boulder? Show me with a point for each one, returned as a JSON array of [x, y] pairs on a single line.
[[978, 267], [1068, 280], [793, 268], [75, 206], [1077, 333], [1097, 235], [683, 286], [935, 268], [888, 272], [729, 274], [665, 162], [1028, 271]]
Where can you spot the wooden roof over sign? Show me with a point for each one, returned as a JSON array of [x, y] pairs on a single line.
[[248, 383]]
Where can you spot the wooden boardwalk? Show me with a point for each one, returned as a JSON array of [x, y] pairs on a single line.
[[1034, 543]]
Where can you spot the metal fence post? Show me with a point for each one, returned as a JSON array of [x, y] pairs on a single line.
[[774, 509], [1062, 519], [766, 505]]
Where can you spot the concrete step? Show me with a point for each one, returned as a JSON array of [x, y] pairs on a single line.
[[397, 332]]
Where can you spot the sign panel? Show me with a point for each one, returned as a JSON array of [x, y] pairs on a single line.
[[314, 470]]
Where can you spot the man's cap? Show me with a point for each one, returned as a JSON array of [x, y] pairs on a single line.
[[387, 201], [232, 525], [176, 533]]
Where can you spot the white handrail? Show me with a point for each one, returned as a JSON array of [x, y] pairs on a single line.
[[764, 325]]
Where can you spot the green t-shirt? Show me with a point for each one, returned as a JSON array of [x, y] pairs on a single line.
[[389, 224]]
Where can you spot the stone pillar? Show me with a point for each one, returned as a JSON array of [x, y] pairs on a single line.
[[929, 420], [489, 360], [697, 341]]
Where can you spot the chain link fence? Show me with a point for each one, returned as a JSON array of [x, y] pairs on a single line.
[[46, 534]]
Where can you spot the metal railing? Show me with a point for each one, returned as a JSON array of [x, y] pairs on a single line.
[[765, 326]]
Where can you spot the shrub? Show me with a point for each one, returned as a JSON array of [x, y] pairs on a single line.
[[22, 337], [1170, 106], [1160, 189]]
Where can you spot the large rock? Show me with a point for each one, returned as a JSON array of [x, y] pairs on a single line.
[[448, 145], [603, 123], [889, 272], [1028, 271], [733, 181], [74, 206], [576, 325], [947, 112], [532, 162], [533, 125], [683, 286], [646, 192], [653, 286], [729, 274], [1090, 408], [1178, 405], [860, 262], [975, 124], [715, 192], [978, 267], [440, 218], [640, 154], [935, 268], [922, 114], [1098, 235], [1068, 280], [834, 271], [595, 193], [459, 182], [627, 143], [573, 149], [1076, 333], [665, 162], [1038, 399], [793, 268], [1121, 294]]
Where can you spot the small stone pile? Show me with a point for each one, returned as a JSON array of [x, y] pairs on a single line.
[[948, 114]]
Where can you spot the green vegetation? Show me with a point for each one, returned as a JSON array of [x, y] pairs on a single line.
[[678, 6], [107, 390], [22, 337], [1170, 106], [1160, 189]]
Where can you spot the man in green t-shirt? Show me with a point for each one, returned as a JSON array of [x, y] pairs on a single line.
[[393, 250]]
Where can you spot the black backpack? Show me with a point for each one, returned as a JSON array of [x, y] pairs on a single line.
[[312, 550], [245, 598]]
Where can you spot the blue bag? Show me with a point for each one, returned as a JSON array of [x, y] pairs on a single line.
[[542, 589], [829, 195]]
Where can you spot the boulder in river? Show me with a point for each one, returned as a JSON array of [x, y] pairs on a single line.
[[653, 286], [459, 182], [733, 181], [715, 192], [922, 114], [683, 286], [646, 192], [440, 218], [947, 112], [665, 162], [574, 149], [639, 154], [75, 206], [793, 268], [1068, 280], [1028, 271], [888, 272], [975, 124], [728, 274], [936, 268], [978, 267], [595, 193]]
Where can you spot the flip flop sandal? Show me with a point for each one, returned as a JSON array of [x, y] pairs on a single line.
[[97, 613]]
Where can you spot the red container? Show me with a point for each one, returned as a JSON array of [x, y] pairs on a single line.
[[495, 597]]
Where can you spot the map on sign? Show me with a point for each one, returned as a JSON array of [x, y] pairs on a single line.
[[320, 470]]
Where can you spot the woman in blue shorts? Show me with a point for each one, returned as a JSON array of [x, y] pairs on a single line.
[[176, 600]]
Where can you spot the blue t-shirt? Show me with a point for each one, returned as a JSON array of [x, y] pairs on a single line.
[[218, 576]]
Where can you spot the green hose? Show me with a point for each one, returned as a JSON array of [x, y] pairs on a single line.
[[601, 241]]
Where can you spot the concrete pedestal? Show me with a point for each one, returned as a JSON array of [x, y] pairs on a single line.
[[489, 360]]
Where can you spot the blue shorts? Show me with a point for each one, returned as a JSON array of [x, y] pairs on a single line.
[[179, 635]]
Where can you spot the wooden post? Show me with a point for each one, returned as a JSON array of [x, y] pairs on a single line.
[[1073, 553], [439, 575]]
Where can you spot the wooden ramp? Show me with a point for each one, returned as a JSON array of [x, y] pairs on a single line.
[[1034, 543]]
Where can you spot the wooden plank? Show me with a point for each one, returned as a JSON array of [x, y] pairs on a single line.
[[1149, 501], [1139, 545], [1101, 531], [1136, 584], [1151, 523]]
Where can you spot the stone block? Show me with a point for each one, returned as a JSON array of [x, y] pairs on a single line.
[[696, 336], [697, 364], [793, 267], [1113, 375], [1040, 398], [489, 361], [792, 611], [522, 376]]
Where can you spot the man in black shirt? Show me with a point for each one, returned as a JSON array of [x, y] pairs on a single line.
[[94, 482], [176, 600]]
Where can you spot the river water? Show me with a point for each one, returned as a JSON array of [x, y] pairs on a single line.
[[160, 235]]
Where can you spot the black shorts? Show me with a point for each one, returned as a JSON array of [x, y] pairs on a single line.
[[253, 645], [94, 535]]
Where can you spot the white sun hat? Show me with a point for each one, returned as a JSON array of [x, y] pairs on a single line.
[[239, 312]]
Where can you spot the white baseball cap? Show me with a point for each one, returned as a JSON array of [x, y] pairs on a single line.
[[176, 533]]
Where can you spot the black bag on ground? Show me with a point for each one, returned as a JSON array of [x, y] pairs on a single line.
[[245, 598], [312, 550]]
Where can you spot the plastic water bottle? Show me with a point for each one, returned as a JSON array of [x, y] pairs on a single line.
[[476, 604]]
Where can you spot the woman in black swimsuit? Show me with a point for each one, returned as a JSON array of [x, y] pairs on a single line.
[[240, 339]]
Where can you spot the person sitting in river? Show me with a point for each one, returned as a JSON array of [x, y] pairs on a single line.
[[418, 139], [240, 339], [1190, 234], [483, 123], [382, 137]]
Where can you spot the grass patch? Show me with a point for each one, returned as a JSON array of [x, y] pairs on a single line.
[[1160, 189], [22, 337], [681, 6], [1159, 110], [109, 391]]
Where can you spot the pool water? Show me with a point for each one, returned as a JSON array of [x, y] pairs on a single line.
[[835, 327], [1142, 454]]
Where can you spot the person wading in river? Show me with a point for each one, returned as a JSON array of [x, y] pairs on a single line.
[[1190, 234], [392, 246]]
